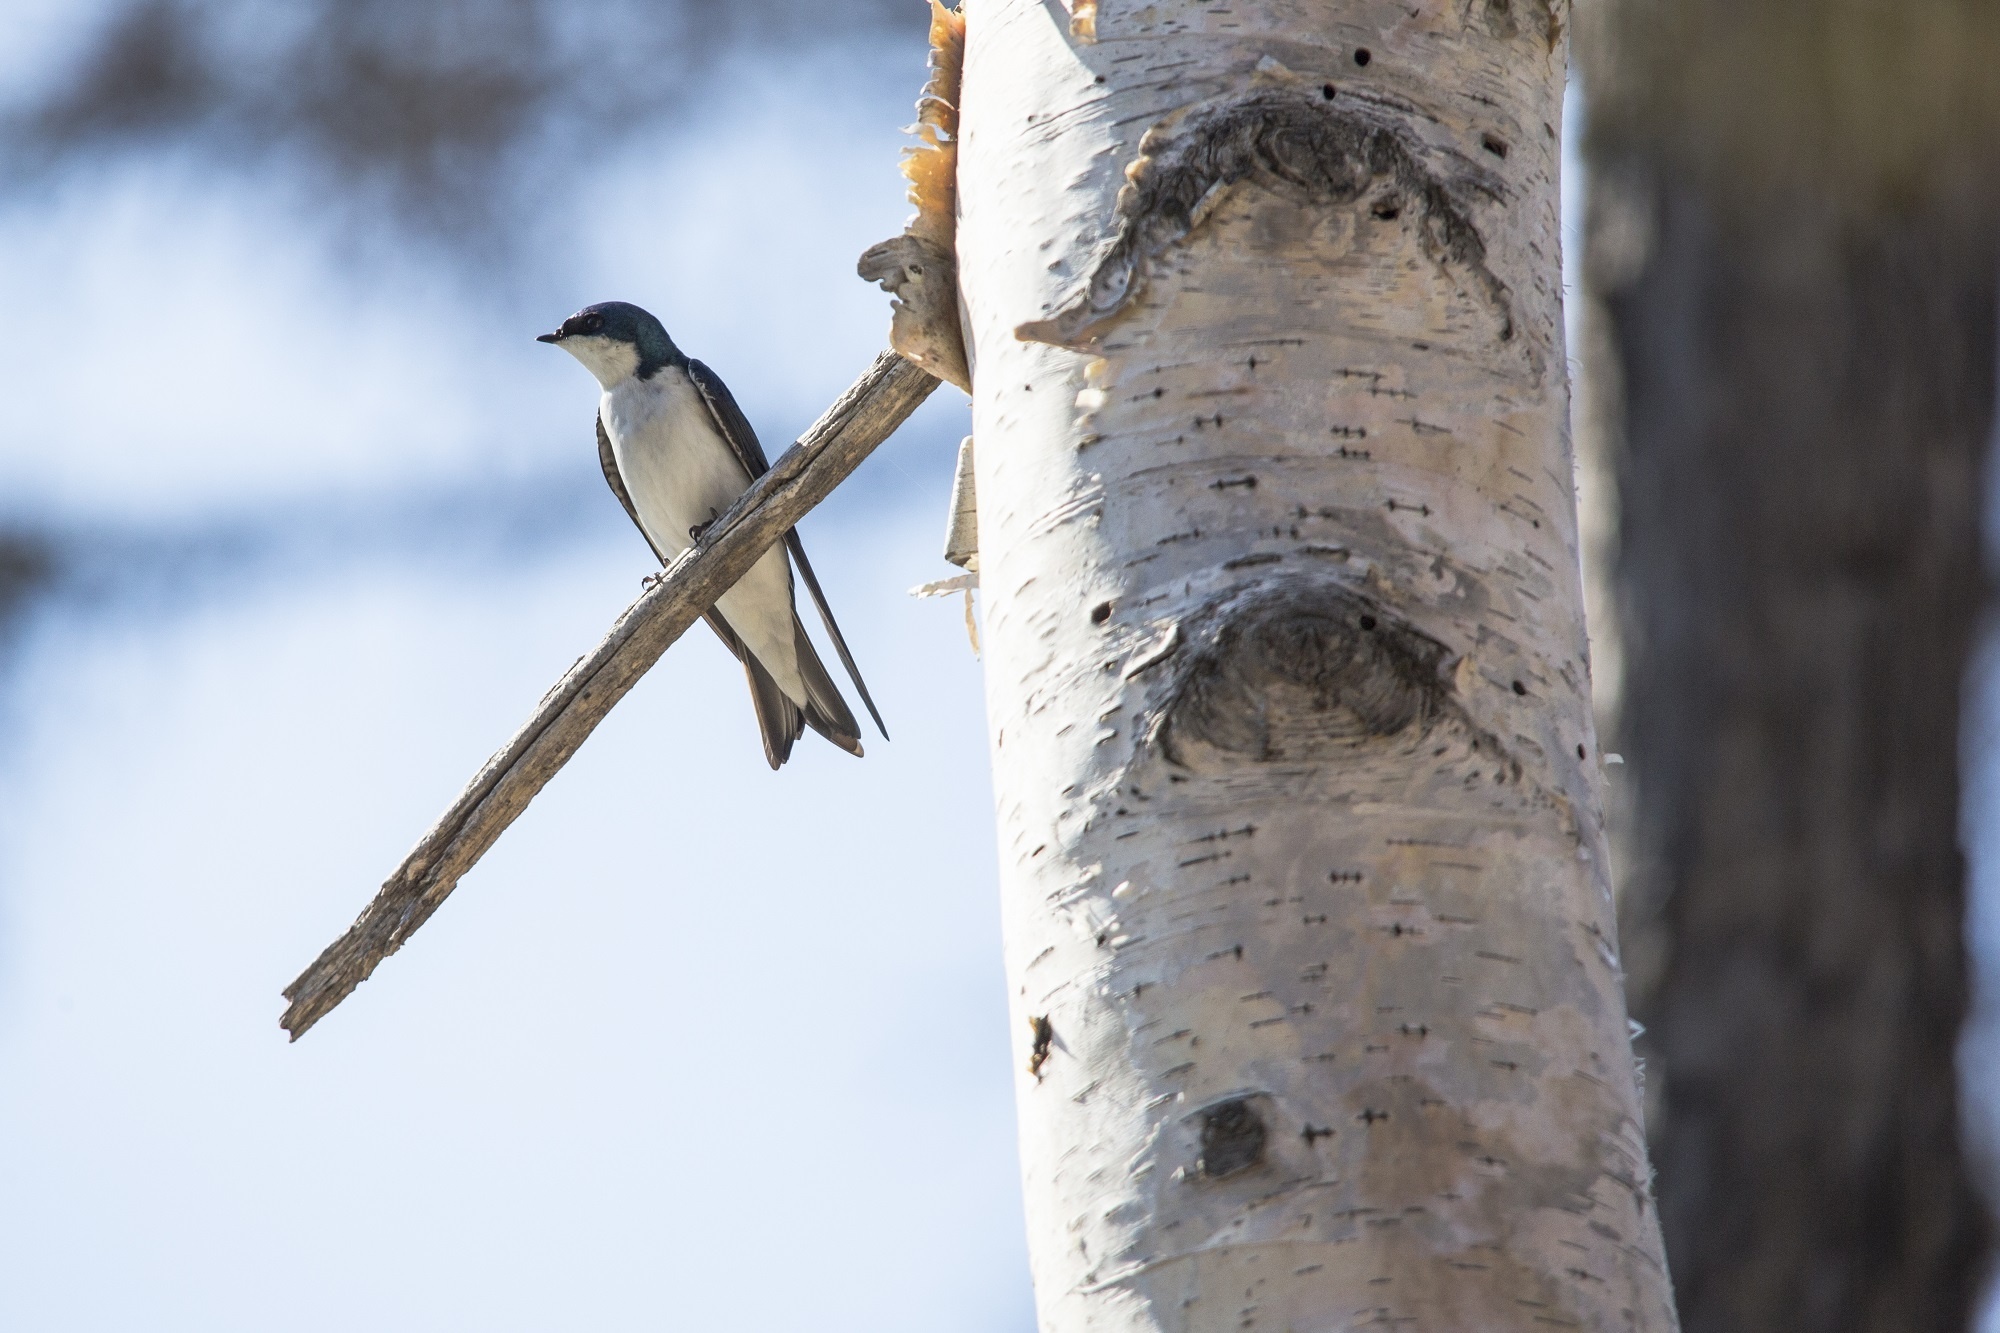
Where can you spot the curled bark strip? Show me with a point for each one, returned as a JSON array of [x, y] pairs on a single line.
[[1288, 139], [803, 475], [920, 267]]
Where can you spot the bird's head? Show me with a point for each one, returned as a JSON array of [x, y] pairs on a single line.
[[615, 340]]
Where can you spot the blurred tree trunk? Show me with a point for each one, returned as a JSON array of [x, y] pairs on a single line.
[[1792, 265], [1309, 930]]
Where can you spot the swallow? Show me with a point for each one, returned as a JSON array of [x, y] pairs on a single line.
[[677, 452]]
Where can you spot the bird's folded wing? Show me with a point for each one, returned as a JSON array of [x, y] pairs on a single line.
[[735, 428], [729, 420], [798, 550]]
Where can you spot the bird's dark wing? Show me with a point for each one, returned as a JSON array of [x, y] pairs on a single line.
[[735, 429], [798, 550], [729, 419]]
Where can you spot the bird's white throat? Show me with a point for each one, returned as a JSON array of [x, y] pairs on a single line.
[[610, 360]]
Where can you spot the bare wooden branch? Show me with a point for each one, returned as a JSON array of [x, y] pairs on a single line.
[[867, 414]]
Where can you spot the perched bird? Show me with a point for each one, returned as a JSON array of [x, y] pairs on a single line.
[[678, 452]]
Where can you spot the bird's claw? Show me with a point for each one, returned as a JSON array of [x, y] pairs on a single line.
[[694, 533], [652, 580]]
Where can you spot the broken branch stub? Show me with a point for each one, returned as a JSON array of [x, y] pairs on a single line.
[[867, 414], [923, 319]]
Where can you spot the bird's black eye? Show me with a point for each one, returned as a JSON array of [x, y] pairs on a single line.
[[592, 323]]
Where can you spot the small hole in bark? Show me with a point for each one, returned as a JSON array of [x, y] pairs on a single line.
[[1100, 613], [1232, 1139], [1098, 79], [1519, 688], [1388, 210], [1159, 393], [1328, 91], [1494, 144], [1362, 56], [1368, 622], [1580, 754]]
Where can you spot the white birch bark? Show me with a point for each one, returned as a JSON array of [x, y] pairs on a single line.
[[1309, 933]]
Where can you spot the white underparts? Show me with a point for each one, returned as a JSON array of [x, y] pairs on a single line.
[[681, 474]]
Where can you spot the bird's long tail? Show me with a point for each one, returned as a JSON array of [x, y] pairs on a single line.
[[798, 549], [826, 711], [778, 718]]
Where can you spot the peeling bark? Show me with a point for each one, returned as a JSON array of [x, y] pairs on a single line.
[[919, 267], [1309, 936]]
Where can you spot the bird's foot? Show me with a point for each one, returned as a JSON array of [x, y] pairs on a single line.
[[652, 580], [695, 532]]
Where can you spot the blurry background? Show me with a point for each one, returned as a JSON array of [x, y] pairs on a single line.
[[296, 522], [1789, 311]]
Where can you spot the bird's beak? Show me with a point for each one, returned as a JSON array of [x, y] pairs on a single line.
[[549, 337]]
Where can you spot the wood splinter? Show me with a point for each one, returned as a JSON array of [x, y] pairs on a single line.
[[867, 414]]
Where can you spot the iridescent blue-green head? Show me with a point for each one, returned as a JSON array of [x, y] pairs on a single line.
[[616, 340]]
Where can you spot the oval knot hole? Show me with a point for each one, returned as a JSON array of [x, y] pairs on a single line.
[[1301, 674]]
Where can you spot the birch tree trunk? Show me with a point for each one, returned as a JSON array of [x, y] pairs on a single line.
[[1794, 266], [1309, 930]]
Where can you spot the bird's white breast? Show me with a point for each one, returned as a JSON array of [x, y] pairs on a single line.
[[681, 472]]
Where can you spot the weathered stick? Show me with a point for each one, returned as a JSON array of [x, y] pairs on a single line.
[[867, 414]]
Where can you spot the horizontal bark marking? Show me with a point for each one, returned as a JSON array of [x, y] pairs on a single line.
[[1296, 142]]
